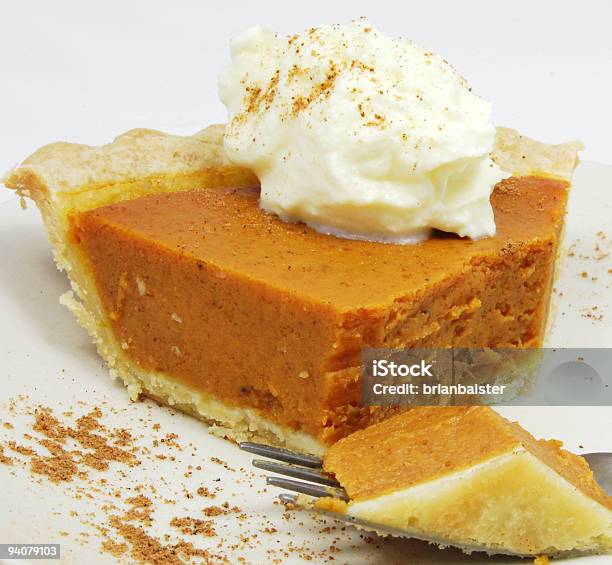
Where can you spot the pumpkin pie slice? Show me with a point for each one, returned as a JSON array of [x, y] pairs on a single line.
[[196, 297], [467, 477]]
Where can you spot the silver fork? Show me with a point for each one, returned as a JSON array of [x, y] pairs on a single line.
[[317, 483], [310, 468], [298, 466], [601, 465]]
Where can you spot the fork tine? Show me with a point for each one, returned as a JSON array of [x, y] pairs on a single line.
[[305, 473], [281, 454], [287, 498], [307, 488]]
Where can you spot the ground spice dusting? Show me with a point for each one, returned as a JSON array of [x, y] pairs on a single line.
[[57, 467], [194, 526], [139, 501], [96, 465], [113, 548], [220, 510], [597, 259], [140, 511], [4, 460], [203, 491], [213, 511], [144, 547], [49, 425], [318, 91], [224, 464], [63, 464], [22, 449]]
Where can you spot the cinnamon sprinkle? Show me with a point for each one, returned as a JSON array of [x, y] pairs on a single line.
[[4, 459], [203, 491], [194, 526], [76, 452]]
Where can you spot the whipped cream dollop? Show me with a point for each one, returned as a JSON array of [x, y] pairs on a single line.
[[358, 134]]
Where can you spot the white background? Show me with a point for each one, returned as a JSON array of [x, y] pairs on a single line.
[[85, 71]]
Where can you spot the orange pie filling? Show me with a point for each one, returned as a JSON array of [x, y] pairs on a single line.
[[210, 291]]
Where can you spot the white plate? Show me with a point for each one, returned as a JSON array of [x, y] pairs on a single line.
[[48, 357]]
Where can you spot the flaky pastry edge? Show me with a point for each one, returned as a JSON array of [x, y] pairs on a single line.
[[522, 156], [138, 153]]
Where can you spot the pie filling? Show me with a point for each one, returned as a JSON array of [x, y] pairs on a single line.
[[205, 288]]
